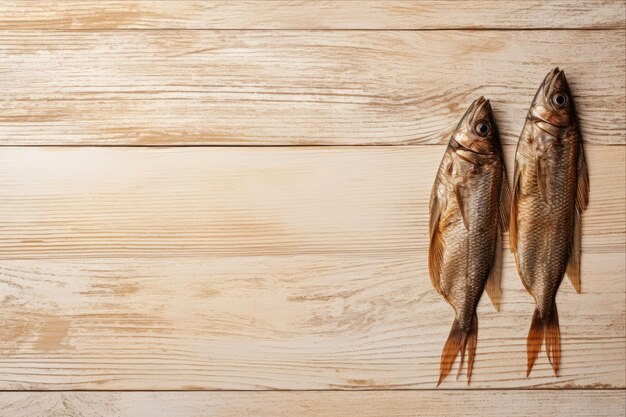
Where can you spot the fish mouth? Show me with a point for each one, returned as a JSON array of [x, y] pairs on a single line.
[[546, 89], [470, 114], [478, 104], [550, 79]]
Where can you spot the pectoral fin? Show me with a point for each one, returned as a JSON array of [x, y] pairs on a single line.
[[461, 198], [543, 178]]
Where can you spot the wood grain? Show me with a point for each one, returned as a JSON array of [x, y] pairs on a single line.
[[267, 268], [293, 268], [316, 404], [455, 14], [82, 202], [284, 322], [181, 87]]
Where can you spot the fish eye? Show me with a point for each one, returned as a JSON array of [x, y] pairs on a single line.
[[559, 99], [482, 128]]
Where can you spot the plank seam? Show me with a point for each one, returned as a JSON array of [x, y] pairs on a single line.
[[610, 389], [450, 29]]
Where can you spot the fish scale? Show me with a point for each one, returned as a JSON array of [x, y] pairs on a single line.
[[550, 190], [466, 222]]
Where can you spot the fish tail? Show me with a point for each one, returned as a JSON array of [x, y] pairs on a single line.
[[534, 340], [553, 339], [472, 338], [461, 341], [544, 328], [462, 355]]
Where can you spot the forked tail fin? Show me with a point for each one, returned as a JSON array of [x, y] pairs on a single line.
[[459, 340], [544, 328]]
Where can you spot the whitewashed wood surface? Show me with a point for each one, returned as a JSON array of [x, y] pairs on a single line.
[[134, 257], [83, 202], [320, 15], [190, 87], [492, 403]]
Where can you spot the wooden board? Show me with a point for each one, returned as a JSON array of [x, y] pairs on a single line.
[[284, 322], [140, 202], [182, 87], [316, 404], [267, 268], [285, 279], [346, 14]]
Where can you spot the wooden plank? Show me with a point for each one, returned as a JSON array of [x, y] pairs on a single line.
[[143, 202], [456, 14], [267, 268], [315, 404], [285, 322], [186, 87]]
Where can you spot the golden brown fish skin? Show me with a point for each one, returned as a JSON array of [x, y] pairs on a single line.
[[468, 213], [550, 190]]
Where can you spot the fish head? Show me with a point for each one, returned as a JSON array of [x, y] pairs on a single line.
[[477, 130], [553, 102]]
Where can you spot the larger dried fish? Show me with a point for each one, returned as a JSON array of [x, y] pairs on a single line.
[[550, 191], [468, 212]]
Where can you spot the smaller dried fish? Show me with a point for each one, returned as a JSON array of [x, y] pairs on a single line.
[[550, 192], [469, 210]]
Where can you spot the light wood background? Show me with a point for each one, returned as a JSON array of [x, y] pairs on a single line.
[[190, 225]]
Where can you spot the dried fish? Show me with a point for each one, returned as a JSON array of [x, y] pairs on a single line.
[[469, 210], [550, 192]]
